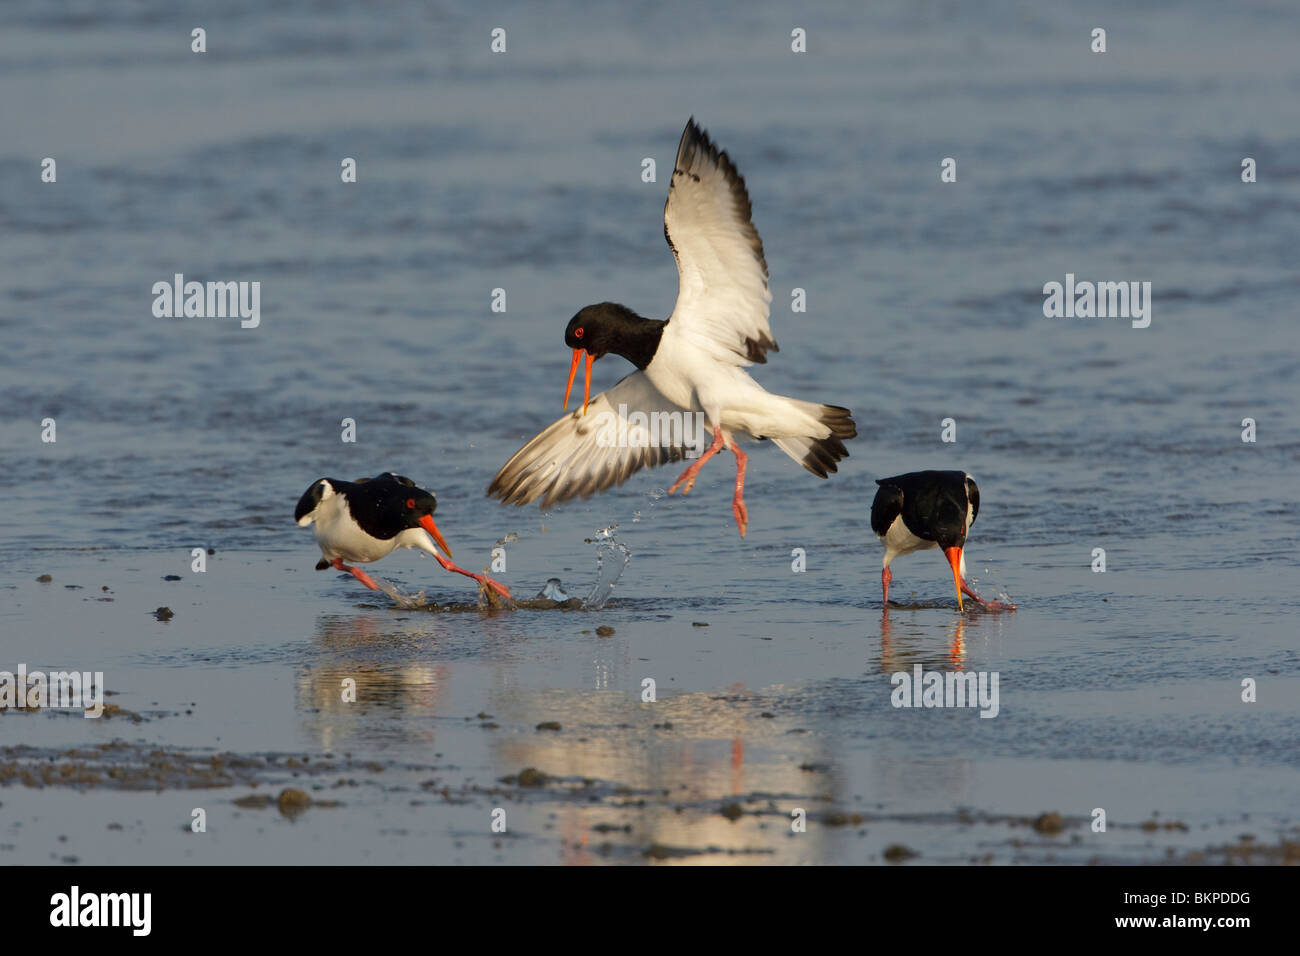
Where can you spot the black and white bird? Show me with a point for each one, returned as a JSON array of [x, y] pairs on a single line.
[[693, 363], [928, 509], [367, 519]]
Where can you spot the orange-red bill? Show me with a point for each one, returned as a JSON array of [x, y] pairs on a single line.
[[954, 558], [573, 371], [586, 389], [426, 522]]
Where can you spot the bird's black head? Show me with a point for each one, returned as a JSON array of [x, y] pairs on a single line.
[[949, 524], [609, 327], [400, 504], [398, 501], [956, 502], [601, 329]]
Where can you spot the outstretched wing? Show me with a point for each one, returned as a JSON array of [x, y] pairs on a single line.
[[723, 301], [580, 455]]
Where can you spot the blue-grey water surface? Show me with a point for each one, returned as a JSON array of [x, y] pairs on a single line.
[[522, 171]]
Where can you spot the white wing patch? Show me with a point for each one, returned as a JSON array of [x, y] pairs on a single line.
[[622, 432], [723, 302]]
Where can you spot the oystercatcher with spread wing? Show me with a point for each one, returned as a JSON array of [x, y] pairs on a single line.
[[367, 519], [693, 362], [928, 509]]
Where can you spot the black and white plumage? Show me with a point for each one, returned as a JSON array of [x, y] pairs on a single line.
[[368, 519], [695, 362], [928, 509]]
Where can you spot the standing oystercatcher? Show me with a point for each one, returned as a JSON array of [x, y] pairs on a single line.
[[694, 362], [927, 509], [366, 519]]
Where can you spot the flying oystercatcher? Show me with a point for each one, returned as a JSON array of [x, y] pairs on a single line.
[[928, 509], [692, 364], [366, 519]]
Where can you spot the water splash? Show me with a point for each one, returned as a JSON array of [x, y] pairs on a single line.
[[612, 557], [1000, 598], [398, 597], [554, 591], [652, 497]]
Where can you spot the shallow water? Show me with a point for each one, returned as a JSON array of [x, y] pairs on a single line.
[[1118, 690]]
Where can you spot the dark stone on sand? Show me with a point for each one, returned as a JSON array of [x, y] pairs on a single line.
[[699, 624], [45, 579], [733, 812], [1049, 823], [171, 577], [843, 819], [293, 801], [549, 725], [604, 631], [897, 853], [531, 777], [164, 614]]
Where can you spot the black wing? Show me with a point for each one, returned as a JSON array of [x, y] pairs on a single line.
[[310, 499], [887, 506]]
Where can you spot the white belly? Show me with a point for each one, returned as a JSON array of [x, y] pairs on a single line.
[[340, 537], [898, 541]]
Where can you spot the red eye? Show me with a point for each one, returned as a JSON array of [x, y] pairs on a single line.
[[410, 502], [577, 333]]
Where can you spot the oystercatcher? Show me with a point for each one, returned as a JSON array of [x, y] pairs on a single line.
[[927, 509], [692, 364], [366, 519]]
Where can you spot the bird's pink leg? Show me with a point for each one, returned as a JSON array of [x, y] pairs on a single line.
[[885, 577], [481, 579], [967, 590], [356, 573], [689, 474], [738, 502]]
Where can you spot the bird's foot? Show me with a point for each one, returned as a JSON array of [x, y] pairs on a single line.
[[688, 476], [482, 579], [967, 590], [496, 586], [356, 573], [741, 512]]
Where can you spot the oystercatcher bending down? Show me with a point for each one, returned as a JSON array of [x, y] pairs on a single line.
[[927, 509], [366, 519], [694, 362]]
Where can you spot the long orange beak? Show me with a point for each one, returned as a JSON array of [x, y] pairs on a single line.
[[954, 558], [573, 371], [426, 522]]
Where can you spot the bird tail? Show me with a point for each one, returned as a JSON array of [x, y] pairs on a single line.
[[819, 455]]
